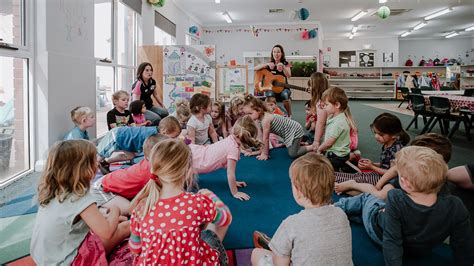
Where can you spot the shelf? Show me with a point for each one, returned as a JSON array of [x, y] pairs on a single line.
[[363, 86]]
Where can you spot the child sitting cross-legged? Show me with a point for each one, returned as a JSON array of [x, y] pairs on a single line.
[[170, 226], [120, 116], [318, 235], [69, 229], [83, 118], [417, 217], [121, 144], [120, 186]]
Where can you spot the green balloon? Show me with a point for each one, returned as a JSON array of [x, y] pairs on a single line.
[[383, 12]]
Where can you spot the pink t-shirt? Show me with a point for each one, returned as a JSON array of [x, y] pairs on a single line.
[[128, 182], [212, 157], [139, 119]]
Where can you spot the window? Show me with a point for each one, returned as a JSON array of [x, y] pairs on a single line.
[[165, 30], [11, 22], [163, 38], [190, 39], [115, 51]]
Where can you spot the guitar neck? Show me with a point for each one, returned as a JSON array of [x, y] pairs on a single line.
[[289, 86]]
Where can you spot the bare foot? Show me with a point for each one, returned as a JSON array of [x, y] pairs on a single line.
[[344, 186]]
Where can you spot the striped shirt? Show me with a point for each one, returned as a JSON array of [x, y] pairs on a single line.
[[286, 128]]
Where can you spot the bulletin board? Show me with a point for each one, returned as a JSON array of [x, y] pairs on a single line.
[[231, 81]]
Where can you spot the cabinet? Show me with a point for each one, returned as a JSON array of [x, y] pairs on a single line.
[[253, 59], [467, 77]]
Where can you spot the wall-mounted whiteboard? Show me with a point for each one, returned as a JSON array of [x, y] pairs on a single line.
[[231, 81]]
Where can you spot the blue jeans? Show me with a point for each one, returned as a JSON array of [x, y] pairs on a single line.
[[366, 205], [283, 96], [155, 114]]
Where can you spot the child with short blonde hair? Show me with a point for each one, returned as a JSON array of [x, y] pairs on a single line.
[[83, 118], [235, 111], [119, 116], [318, 235], [163, 213], [68, 225], [182, 112], [417, 217]]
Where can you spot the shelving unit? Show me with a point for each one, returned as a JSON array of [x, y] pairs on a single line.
[[467, 77]]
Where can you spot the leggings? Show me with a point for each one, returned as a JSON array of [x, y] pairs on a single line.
[[364, 177], [295, 150]]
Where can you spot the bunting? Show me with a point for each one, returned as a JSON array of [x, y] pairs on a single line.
[[237, 30]]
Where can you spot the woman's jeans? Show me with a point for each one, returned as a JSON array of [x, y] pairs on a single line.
[[155, 114]]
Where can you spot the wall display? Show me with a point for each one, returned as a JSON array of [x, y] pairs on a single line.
[[366, 59], [347, 58], [188, 70], [387, 57], [231, 81]]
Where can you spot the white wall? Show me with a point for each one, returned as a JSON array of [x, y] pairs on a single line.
[[381, 45], [233, 45], [441, 48]]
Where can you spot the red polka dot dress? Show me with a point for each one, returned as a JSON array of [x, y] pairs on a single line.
[[171, 232]]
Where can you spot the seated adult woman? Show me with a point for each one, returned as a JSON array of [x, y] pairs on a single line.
[[145, 89], [279, 66]]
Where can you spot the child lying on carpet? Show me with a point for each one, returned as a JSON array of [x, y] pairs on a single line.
[[388, 130], [226, 153], [121, 186], [121, 143], [69, 228], [170, 226], [318, 235], [413, 220]]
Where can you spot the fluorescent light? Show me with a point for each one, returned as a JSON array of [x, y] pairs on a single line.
[[405, 34], [227, 17], [419, 26], [354, 29], [439, 13], [452, 34], [218, 1], [351, 36], [382, 1], [470, 28], [359, 15]]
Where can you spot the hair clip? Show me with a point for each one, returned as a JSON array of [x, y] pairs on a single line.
[[154, 177]]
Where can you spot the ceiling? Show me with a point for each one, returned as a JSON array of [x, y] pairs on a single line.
[[335, 15]]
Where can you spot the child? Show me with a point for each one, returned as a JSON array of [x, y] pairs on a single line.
[[462, 176], [389, 180], [122, 143], [173, 227], [318, 84], [272, 106], [290, 130], [236, 110], [226, 153], [336, 139], [200, 124], [415, 219], [120, 116], [388, 131], [83, 118], [68, 225], [218, 119], [182, 112], [138, 108], [121, 186], [310, 123], [318, 235]]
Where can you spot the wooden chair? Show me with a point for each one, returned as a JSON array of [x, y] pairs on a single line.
[[419, 108], [405, 94]]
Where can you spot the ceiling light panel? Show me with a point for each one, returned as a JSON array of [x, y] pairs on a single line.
[[439, 13]]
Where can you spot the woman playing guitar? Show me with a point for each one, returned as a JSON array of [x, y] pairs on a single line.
[[279, 66]]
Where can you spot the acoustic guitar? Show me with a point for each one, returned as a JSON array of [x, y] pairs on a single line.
[[264, 80]]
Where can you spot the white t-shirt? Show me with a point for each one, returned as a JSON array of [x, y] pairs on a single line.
[[56, 238], [201, 128]]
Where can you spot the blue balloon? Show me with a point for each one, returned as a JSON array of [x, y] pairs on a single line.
[[313, 33], [303, 13], [193, 29]]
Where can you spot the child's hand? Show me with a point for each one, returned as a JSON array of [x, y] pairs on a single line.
[[379, 185], [241, 183], [271, 65], [365, 164], [241, 196], [280, 66], [123, 218], [262, 157], [148, 122]]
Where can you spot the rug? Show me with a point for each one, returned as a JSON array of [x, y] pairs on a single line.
[[392, 106]]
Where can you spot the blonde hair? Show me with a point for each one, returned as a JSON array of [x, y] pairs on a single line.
[[221, 109], [70, 166], [170, 124], [350, 119], [118, 94], [313, 176], [151, 141], [256, 104], [182, 109], [318, 84], [423, 167], [234, 104], [78, 113], [170, 161], [246, 131], [336, 95], [270, 99]]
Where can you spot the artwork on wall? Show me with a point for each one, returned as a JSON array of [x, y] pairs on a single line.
[[347, 58], [387, 57], [188, 70], [366, 59], [231, 81]]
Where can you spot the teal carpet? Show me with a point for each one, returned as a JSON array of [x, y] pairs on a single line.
[[269, 187]]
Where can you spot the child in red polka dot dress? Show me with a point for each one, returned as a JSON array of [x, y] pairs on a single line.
[[170, 226]]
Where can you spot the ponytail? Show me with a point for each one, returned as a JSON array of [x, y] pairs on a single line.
[[246, 131], [146, 198]]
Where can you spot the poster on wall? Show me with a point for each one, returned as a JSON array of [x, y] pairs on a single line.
[[366, 59], [188, 69], [231, 81]]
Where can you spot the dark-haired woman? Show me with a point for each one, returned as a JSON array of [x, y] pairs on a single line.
[[279, 66], [145, 89]]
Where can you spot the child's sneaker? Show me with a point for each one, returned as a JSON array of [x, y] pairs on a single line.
[[261, 240], [104, 167]]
